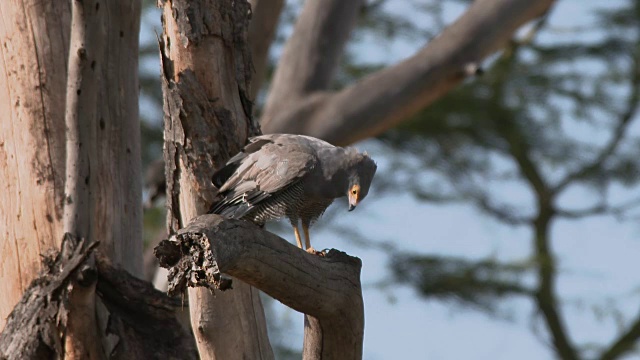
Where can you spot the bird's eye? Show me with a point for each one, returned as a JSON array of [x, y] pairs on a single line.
[[354, 191]]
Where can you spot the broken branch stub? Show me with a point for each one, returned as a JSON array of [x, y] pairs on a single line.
[[191, 263]]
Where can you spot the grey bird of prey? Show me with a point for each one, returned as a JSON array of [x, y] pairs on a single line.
[[293, 176]]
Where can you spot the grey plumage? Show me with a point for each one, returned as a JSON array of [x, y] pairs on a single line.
[[293, 176]]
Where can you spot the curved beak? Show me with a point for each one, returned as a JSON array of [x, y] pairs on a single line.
[[353, 201]]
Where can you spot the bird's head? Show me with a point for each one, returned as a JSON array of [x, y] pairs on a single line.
[[360, 178]]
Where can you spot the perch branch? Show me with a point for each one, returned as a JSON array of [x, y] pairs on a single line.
[[327, 289]]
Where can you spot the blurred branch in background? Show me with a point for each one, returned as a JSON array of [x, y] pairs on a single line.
[[265, 16], [298, 103]]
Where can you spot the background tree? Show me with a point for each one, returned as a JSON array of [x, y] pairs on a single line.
[[524, 125]]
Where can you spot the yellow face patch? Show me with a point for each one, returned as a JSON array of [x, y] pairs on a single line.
[[354, 194]]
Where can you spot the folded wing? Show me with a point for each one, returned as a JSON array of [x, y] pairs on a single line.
[[267, 165]]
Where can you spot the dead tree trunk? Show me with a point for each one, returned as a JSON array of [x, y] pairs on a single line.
[[206, 73], [75, 304], [34, 43], [37, 327]]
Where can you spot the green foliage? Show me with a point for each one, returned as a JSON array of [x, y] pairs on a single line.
[[469, 283]]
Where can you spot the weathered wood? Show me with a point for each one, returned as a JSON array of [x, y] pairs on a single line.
[[327, 288], [206, 72], [33, 327], [117, 174], [142, 319], [34, 43], [387, 97], [34, 49], [81, 337], [85, 59]]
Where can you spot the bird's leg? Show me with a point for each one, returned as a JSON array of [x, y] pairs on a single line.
[[307, 239], [297, 233]]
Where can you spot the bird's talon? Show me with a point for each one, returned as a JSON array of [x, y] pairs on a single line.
[[313, 251]]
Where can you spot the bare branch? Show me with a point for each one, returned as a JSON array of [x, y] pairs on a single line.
[[81, 340], [519, 148], [618, 132], [501, 213], [387, 97], [325, 288], [262, 27], [310, 56], [599, 209], [624, 344]]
